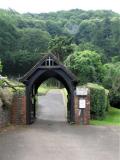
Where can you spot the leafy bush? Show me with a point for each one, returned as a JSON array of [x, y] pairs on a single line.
[[99, 100], [6, 97], [7, 89], [19, 90], [87, 65]]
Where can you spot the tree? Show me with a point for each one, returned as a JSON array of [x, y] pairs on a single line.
[[34, 40], [86, 31], [0, 74], [8, 36], [53, 28], [111, 81], [62, 32], [61, 46], [86, 65], [0, 66], [23, 61]]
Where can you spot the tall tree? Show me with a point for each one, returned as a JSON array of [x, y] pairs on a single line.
[[8, 36], [34, 40], [61, 46], [86, 65], [111, 81], [1, 66]]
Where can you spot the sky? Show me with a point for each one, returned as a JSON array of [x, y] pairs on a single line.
[[40, 6]]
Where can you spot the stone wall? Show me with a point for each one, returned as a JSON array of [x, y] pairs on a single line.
[[4, 117], [16, 114], [5, 103]]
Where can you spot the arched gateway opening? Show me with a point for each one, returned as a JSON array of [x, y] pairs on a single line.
[[48, 67]]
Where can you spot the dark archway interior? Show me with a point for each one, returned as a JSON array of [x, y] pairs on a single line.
[[50, 74], [45, 76]]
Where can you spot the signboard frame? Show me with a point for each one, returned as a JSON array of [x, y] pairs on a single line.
[[82, 103], [81, 91]]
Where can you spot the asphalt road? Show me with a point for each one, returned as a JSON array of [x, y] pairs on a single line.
[[55, 140]]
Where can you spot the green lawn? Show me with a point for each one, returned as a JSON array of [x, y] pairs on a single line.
[[112, 118], [44, 89]]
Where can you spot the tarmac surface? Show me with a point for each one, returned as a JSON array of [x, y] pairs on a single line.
[[52, 106], [57, 140]]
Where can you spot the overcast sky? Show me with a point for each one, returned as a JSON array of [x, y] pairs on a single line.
[[38, 6]]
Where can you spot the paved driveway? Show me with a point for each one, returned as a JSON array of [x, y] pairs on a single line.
[[54, 140], [46, 140], [52, 106]]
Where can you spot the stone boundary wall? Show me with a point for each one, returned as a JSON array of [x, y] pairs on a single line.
[[4, 117], [16, 114]]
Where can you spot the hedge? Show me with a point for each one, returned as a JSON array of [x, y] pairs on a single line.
[[99, 100]]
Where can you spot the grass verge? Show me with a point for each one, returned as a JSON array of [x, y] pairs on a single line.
[[43, 90], [112, 118], [64, 93]]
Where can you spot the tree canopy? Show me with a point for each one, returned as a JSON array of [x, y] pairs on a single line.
[[60, 32], [111, 81], [88, 42], [87, 65]]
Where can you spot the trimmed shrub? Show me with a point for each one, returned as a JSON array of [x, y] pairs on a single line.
[[99, 101]]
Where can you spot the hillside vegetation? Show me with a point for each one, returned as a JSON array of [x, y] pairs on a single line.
[[87, 42], [23, 37]]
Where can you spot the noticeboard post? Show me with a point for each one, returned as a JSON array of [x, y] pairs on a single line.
[[82, 93]]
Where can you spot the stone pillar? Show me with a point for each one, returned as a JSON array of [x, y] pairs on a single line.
[[82, 115], [18, 109]]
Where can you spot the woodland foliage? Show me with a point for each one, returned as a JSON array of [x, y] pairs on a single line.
[[87, 41]]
